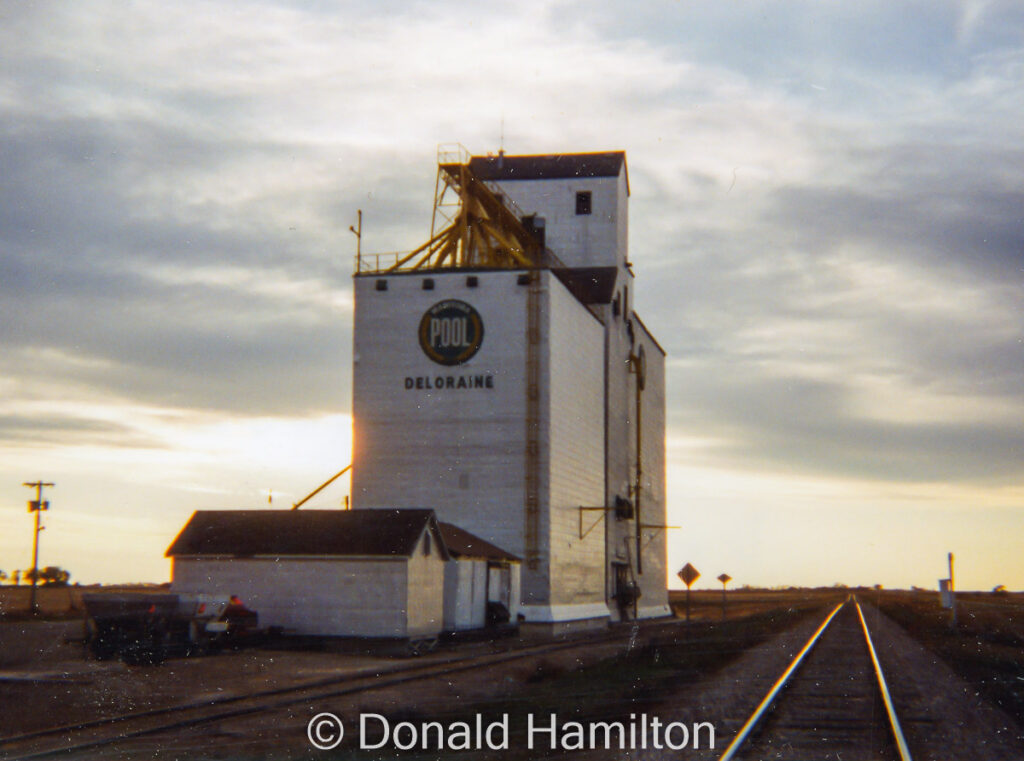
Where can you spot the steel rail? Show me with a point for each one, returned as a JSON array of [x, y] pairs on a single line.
[[763, 706], [894, 723]]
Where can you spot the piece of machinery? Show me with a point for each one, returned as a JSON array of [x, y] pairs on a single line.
[[144, 627]]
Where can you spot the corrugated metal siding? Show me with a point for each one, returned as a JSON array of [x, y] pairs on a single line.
[[457, 451], [462, 451], [654, 599], [585, 240], [575, 436]]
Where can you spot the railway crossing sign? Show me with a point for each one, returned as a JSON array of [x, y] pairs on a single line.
[[688, 574]]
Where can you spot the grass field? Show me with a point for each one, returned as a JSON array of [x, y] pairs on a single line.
[[54, 602], [986, 647], [707, 604]]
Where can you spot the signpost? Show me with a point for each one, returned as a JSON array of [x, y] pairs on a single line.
[[725, 579], [952, 593], [947, 594], [688, 574]]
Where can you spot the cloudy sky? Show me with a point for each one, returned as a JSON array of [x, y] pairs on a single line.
[[827, 224]]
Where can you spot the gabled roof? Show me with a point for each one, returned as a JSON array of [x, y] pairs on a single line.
[[462, 544], [551, 167], [246, 533]]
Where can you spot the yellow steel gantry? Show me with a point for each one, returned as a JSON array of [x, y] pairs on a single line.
[[483, 233]]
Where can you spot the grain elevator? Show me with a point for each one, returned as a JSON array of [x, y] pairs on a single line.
[[503, 378]]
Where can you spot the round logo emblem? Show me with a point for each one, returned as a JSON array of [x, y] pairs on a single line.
[[451, 332]]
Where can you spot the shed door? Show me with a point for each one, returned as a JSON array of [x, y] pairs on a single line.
[[499, 587]]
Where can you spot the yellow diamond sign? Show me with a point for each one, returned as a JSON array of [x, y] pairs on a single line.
[[688, 574]]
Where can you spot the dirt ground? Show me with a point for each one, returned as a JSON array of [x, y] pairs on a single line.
[[985, 646], [46, 680]]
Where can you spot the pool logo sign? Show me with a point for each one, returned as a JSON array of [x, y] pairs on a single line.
[[451, 332]]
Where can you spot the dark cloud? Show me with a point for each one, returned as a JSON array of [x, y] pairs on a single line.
[[865, 323], [165, 240], [89, 207], [187, 347], [45, 430], [130, 190], [795, 425], [937, 221]]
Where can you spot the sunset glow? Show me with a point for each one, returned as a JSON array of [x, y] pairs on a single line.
[[825, 225]]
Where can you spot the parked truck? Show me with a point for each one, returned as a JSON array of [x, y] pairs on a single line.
[[147, 627]]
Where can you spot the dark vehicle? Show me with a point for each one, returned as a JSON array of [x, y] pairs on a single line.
[[144, 627]]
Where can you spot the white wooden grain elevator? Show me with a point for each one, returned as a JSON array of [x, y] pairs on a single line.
[[503, 378]]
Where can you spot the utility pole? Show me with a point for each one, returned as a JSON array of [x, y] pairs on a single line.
[[36, 506]]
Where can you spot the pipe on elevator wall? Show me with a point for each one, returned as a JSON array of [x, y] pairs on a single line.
[[639, 367]]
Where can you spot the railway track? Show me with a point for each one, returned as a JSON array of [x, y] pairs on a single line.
[[832, 702], [95, 735]]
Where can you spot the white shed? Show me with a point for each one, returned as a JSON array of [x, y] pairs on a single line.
[[481, 582], [346, 573]]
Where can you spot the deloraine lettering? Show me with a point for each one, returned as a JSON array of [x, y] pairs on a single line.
[[446, 382]]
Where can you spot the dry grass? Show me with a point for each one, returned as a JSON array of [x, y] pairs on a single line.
[[706, 604], [55, 603], [986, 647]]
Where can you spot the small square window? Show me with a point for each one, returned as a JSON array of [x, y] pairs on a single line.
[[583, 202], [428, 283], [382, 285]]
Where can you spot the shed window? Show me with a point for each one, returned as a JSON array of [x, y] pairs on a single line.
[[426, 544], [583, 202]]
